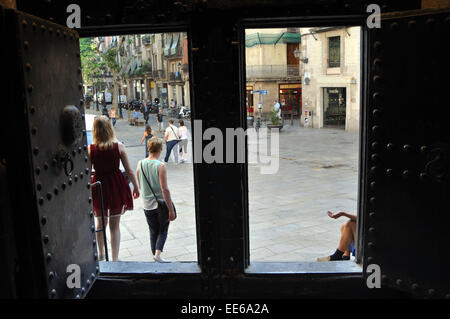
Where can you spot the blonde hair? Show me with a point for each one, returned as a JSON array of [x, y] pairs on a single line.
[[154, 145], [102, 133]]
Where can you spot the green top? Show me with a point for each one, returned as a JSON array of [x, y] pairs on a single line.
[[150, 168]]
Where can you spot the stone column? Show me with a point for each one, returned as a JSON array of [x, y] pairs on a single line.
[[187, 96], [179, 97], [170, 93]]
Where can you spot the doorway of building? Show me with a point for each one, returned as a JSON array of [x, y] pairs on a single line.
[[249, 100], [334, 107], [291, 98]]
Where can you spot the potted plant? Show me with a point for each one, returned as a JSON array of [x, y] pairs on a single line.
[[275, 121]]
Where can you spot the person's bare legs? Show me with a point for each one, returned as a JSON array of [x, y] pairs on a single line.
[[114, 229], [348, 233], [99, 236], [347, 251]]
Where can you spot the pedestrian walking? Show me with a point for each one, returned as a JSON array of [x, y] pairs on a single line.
[[146, 113], [148, 134], [171, 139], [159, 119], [152, 179], [120, 110], [105, 154], [183, 136], [113, 115]]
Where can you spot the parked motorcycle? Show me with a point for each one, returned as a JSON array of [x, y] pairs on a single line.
[[173, 112], [184, 113], [154, 107], [136, 105]]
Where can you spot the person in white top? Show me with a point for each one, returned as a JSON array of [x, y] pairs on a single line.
[[277, 106], [183, 135], [171, 139]]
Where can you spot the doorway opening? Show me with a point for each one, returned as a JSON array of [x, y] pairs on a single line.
[[302, 210], [131, 79], [334, 107]]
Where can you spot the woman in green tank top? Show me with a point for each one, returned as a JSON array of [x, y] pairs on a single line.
[[155, 172]]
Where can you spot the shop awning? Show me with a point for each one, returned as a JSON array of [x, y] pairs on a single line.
[[173, 49], [271, 38], [168, 44]]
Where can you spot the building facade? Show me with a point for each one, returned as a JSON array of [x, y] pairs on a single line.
[[272, 67], [331, 77], [151, 66]]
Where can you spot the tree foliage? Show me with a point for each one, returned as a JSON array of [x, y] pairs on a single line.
[[110, 57], [91, 63]]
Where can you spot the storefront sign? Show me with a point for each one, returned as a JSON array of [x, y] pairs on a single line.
[[290, 86]]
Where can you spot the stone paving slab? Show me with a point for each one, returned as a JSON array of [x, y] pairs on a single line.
[[318, 171]]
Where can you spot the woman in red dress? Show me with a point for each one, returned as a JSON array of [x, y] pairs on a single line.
[[105, 154]]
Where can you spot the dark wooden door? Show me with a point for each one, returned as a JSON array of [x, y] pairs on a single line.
[[292, 61], [47, 160], [407, 222]]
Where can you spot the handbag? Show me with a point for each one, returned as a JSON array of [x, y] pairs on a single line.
[[163, 210]]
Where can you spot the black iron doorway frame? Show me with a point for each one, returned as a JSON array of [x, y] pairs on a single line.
[[311, 21]]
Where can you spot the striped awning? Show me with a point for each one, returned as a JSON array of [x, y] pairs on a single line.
[[168, 44], [271, 38], [173, 49]]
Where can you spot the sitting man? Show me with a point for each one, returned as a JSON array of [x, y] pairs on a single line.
[[348, 237], [134, 118]]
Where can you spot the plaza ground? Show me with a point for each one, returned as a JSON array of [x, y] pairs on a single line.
[[318, 171]]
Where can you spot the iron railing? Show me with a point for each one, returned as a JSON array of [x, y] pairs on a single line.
[[103, 229], [146, 40], [334, 63], [159, 74], [273, 71], [175, 76]]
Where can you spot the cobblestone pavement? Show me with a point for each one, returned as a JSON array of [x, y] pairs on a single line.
[[318, 171]]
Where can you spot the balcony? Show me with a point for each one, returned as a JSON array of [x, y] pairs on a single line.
[[175, 77], [146, 39], [147, 68], [173, 53], [334, 63], [159, 74], [273, 71]]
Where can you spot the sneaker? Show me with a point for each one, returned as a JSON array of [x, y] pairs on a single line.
[[159, 260], [322, 259]]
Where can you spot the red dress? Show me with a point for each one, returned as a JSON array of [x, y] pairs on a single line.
[[116, 191]]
